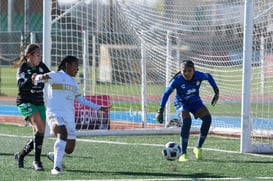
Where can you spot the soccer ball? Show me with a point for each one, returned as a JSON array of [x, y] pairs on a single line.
[[171, 151]]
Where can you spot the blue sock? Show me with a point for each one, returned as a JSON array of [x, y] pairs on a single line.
[[204, 130], [184, 134]]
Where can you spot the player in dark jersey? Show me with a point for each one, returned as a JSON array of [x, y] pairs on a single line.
[[30, 102], [187, 83]]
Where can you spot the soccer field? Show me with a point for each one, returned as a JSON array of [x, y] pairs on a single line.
[[134, 158]]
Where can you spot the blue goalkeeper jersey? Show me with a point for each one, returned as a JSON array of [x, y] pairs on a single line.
[[187, 92]]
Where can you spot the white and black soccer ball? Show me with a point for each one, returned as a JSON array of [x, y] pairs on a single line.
[[171, 151]]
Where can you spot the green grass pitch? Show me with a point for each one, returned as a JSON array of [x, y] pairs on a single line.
[[133, 158]]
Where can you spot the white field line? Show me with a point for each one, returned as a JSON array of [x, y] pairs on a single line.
[[158, 145], [145, 144]]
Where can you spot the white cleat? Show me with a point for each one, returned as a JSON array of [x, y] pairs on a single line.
[[50, 156], [56, 171]]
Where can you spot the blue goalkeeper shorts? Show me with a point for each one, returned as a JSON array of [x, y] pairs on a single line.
[[192, 108]]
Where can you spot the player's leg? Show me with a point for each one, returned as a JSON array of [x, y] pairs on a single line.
[[184, 115], [53, 131], [24, 109], [185, 133], [204, 114], [38, 123], [31, 113], [19, 156], [70, 146], [65, 142], [59, 148], [71, 137]]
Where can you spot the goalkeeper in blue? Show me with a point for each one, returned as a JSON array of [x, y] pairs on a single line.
[[187, 101]]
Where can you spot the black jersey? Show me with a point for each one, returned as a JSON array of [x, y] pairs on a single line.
[[28, 92]]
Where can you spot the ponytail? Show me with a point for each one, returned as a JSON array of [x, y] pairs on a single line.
[[30, 49], [19, 62]]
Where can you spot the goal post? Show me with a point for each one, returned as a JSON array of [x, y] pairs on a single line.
[[246, 123], [47, 32], [246, 120], [129, 50]]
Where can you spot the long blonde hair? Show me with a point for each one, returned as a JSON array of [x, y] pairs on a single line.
[[30, 49]]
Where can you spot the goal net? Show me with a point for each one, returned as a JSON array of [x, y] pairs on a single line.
[[129, 50]]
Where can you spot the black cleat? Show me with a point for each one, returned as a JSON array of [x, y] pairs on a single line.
[[20, 159], [37, 166]]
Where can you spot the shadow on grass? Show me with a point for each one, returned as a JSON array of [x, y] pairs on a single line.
[[7, 154], [236, 161], [12, 154], [148, 174], [216, 160]]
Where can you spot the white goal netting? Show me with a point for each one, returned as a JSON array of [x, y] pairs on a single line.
[[130, 49]]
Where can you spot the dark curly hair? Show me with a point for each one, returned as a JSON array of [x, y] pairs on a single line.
[[68, 59]]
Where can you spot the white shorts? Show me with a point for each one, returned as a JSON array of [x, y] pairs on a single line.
[[59, 121]]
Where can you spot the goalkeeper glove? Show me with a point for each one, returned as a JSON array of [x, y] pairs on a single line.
[[216, 96], [159, 115]]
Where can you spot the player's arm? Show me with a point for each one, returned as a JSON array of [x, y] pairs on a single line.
[[164, 99], [215, 88], [22, 80], [88, 103], [215, 97], [36, 78]]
